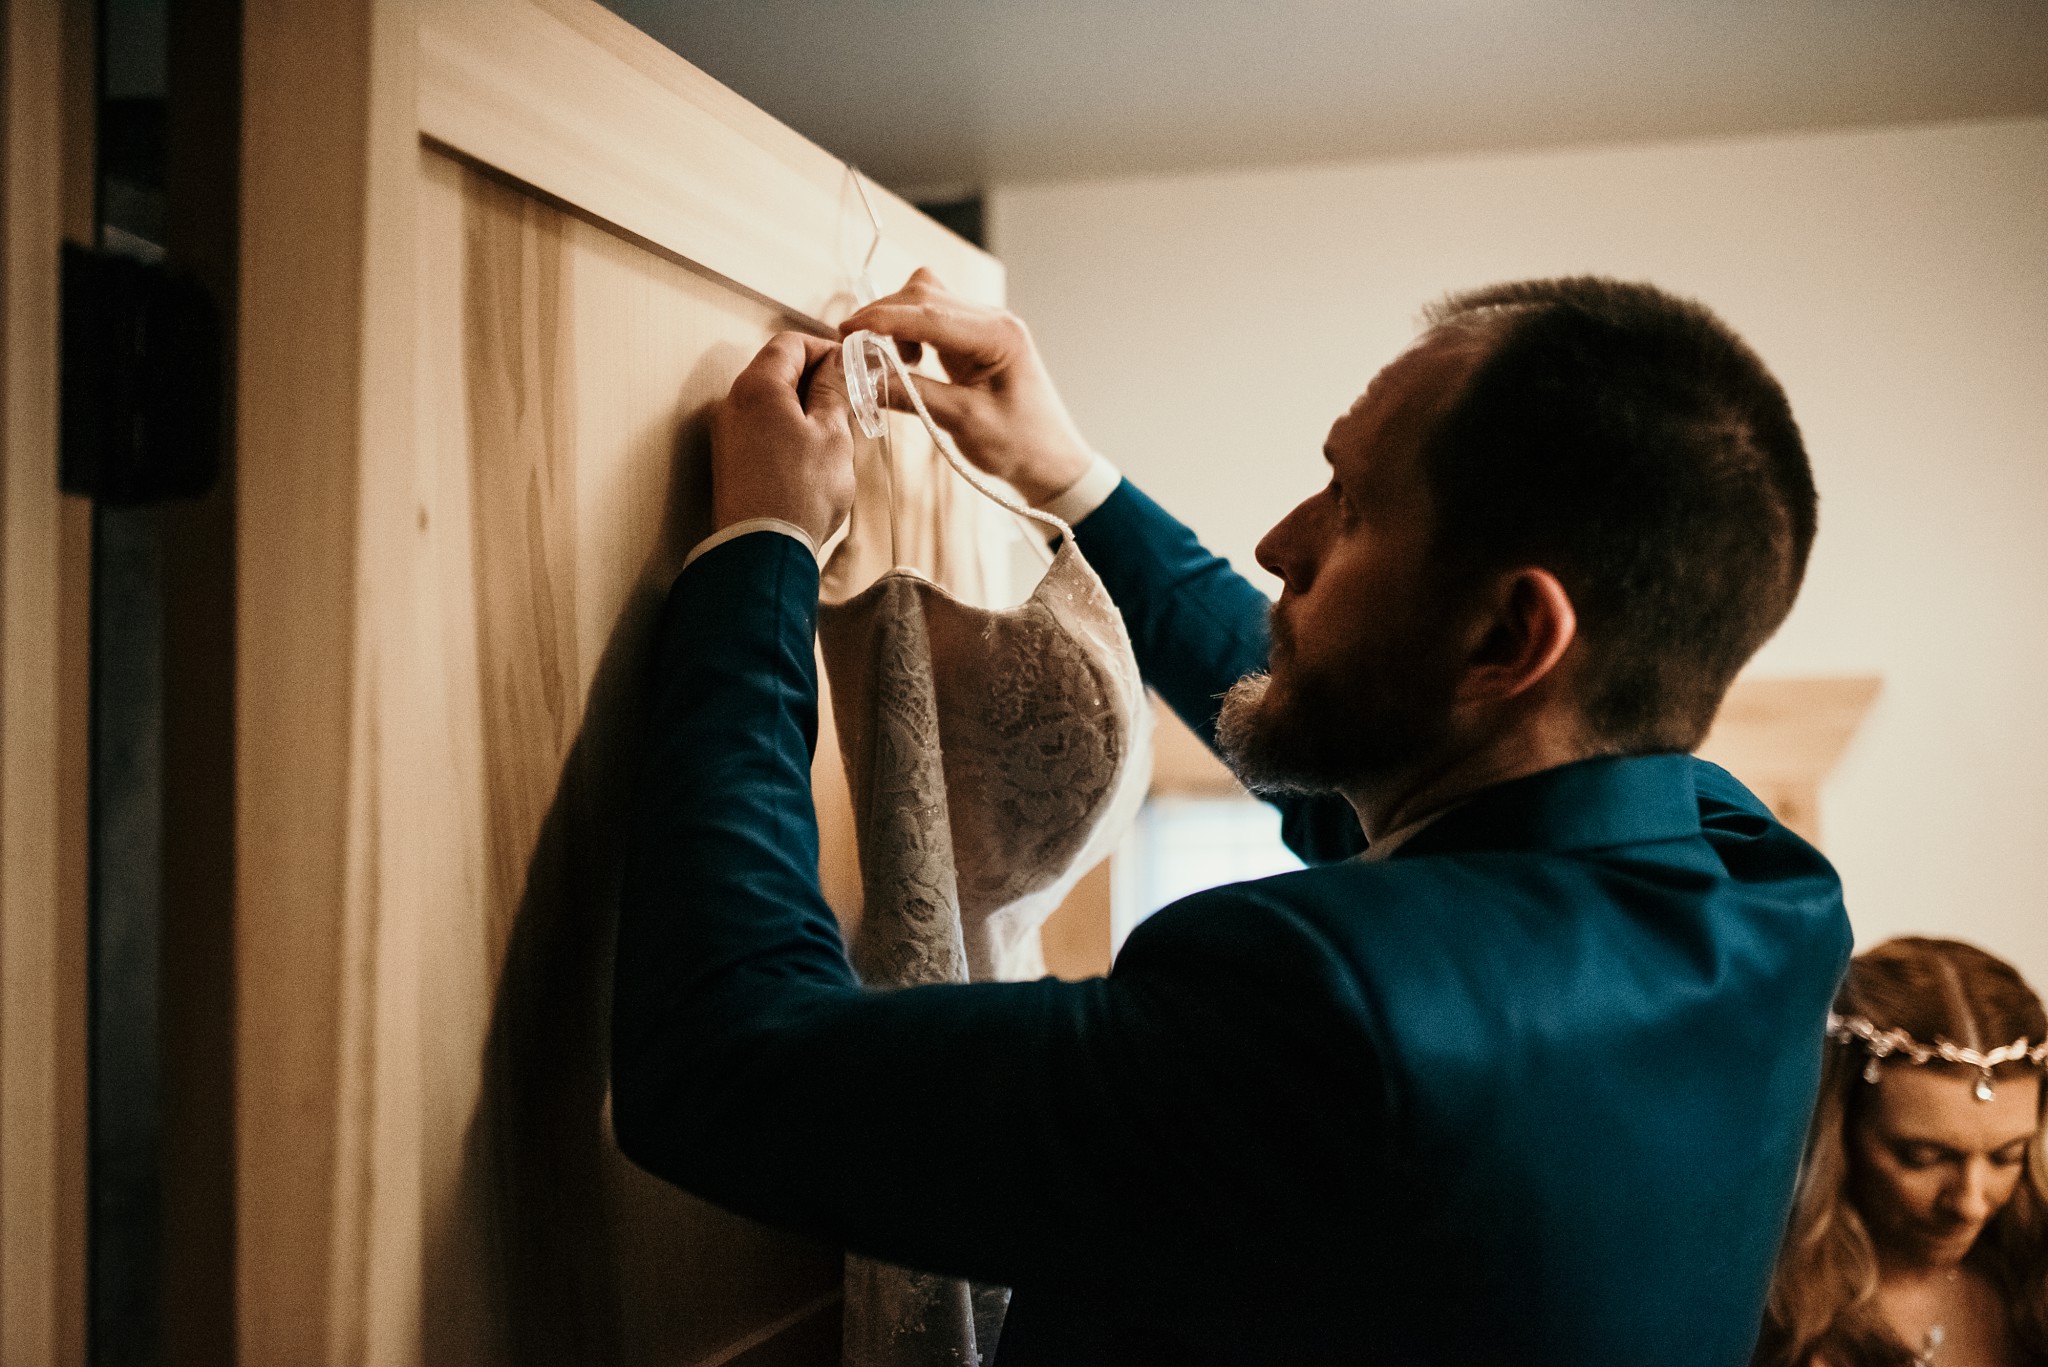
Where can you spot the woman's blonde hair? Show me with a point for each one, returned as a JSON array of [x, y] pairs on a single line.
[[1823, 1301]]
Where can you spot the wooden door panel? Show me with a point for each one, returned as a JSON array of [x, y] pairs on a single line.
[[474, 492], [566, 373], [566, 97]]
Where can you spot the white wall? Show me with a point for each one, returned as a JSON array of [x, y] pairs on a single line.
[[1206, 328]]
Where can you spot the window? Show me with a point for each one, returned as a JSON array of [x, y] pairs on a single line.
[[1182, 845]]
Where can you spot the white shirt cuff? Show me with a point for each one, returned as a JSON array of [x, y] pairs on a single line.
[[1085, 494], [752, 524]]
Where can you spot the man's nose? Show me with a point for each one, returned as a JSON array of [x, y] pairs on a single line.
[[1279, 550]]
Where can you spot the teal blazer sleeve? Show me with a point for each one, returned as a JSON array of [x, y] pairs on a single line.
[[1532, 1090], [1199, 626], [1029, 1134]]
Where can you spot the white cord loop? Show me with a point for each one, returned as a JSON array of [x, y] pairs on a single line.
[[868, 359]]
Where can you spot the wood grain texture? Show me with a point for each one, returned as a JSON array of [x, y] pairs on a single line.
[[1783, 737], [473, 452], [572, 100], [326, 996], [79, 97], [565, 377], [40, 967]]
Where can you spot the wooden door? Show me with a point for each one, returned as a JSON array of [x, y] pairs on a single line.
[[498, 256], [46, 167]]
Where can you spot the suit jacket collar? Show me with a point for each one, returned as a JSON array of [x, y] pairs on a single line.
[[1588, 805]]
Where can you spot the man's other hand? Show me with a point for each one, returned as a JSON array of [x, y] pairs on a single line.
[[1000, 406], [780, 444]]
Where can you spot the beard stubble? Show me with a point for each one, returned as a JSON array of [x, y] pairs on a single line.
[[1301, 731]]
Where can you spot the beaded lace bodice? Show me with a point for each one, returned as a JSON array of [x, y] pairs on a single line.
[[994, 756]]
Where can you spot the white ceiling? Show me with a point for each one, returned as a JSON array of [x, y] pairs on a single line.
[[932, 95]]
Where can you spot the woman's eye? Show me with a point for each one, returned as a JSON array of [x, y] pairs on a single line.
[[1918, 1157]]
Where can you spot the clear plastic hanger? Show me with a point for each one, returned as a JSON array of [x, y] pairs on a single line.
[[869, 359], [872, 425]]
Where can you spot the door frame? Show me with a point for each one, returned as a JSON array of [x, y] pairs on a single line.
[[47, 104]]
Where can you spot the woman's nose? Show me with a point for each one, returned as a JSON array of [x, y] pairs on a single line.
[[1970, 1197]]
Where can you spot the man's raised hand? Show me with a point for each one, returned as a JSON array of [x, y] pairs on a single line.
[[780, 444], [1000, 404]]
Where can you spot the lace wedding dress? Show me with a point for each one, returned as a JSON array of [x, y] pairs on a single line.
[[994, 756]]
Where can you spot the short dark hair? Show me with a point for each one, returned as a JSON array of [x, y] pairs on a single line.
[[1630, 443]]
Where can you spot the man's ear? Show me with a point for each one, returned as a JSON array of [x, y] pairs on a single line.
[[1530, 624]]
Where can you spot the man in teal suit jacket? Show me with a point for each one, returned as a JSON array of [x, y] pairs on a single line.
[[1517, 1072]]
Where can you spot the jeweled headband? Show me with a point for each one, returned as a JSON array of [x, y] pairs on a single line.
[[1882, 1044]]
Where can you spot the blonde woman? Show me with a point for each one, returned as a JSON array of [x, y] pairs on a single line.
[[1919, 1235]]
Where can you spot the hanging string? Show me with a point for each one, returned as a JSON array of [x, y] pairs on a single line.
[[866, 292], [887, 437]]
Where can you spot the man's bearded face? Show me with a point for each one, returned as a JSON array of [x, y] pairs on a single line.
[[1376, 709], [1367, 646]]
